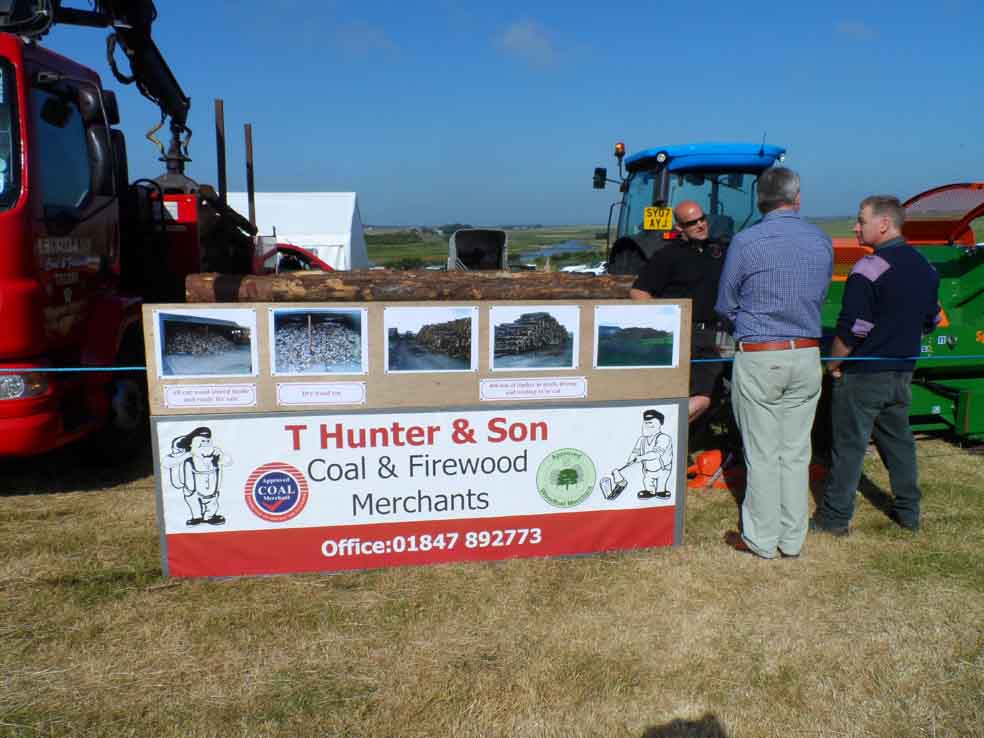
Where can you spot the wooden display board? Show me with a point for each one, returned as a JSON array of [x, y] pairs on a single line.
[[330, 436], [385, 389]]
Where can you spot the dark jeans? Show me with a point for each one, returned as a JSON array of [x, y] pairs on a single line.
[[705, 376], [871, 405]]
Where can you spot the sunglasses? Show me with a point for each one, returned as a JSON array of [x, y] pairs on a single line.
[[695, 221]]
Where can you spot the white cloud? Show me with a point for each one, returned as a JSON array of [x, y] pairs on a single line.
[[856, 30], [527, 41]]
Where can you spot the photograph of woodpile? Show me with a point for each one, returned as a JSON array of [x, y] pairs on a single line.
[[533, 338], [203, 345], [636, 336], [430, 339], [326, 341]]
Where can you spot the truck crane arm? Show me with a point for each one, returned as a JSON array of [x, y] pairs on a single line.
[[131, 21]]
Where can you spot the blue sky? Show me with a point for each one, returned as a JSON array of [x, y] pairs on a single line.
[[438, 112]]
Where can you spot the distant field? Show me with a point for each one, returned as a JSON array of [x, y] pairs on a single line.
[[405, 249], [391, 248], [839, 227], [395, 249]]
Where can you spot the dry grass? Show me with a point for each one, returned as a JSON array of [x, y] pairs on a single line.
[[880, 634]]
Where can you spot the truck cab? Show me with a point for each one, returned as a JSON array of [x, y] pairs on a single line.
[[80, 250], [61, 169], [721, 177]]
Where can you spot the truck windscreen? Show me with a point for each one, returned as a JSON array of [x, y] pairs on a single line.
[[9, 138]]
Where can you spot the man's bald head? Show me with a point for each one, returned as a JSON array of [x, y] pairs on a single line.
[[689, 219]]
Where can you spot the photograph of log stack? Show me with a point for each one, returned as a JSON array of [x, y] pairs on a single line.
[[431, 339], [206, 343], [636, 336], [318, 341], [534, 337]]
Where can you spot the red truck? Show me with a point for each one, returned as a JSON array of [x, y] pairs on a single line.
[[80, 246]]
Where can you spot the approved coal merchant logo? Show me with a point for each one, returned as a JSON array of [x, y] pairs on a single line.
[[276, 492], [566, 477]]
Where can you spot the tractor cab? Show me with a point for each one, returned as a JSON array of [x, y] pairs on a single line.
[[721, 177]]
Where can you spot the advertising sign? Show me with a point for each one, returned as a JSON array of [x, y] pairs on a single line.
[[251, 494]]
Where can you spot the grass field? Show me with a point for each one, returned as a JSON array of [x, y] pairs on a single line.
[[834, 227], [879, 634]]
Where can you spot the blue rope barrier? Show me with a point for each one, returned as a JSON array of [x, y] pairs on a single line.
[[978, 357], [77, 369], [70, 369]]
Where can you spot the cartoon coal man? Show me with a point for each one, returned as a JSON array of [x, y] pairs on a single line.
[[654, 450], [195, 467]]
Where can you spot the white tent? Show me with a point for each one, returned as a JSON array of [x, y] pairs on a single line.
[[326, 223]]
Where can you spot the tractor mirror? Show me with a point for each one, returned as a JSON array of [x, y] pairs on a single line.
[[600, 175], [112, 108]]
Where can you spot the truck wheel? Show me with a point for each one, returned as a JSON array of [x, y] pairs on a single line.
[[128, 406], [127, 428]]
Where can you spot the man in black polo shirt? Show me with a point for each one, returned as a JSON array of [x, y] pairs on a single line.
[[890, 300], [690, 267]]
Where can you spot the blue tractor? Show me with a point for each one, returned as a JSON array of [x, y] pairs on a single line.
[[721, 177]]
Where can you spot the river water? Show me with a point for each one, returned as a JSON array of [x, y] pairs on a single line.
[[564, 247]]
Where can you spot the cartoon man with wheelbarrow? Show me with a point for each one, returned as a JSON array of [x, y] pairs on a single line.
[[654, 450]]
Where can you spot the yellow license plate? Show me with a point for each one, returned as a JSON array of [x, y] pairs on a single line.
[[657, 219]]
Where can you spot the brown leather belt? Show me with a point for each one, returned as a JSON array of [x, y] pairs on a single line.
[[792, 343]]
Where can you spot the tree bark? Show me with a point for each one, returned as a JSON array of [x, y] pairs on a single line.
[[404, 286]]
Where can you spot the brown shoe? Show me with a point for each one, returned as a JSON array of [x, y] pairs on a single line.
[[733, 538]]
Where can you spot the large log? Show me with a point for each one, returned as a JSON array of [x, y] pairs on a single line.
[[404, 286]]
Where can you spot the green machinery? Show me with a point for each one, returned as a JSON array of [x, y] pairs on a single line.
[[948, 385]]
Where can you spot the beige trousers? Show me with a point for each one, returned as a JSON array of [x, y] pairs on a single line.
[[774, 395]]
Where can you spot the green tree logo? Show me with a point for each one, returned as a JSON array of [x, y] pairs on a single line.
[[567, 477]]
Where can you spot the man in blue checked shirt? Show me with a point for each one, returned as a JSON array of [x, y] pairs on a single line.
[[890, 300], [774, 281]]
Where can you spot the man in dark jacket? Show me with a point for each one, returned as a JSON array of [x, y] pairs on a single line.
[[690, 266], [890, 300]]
